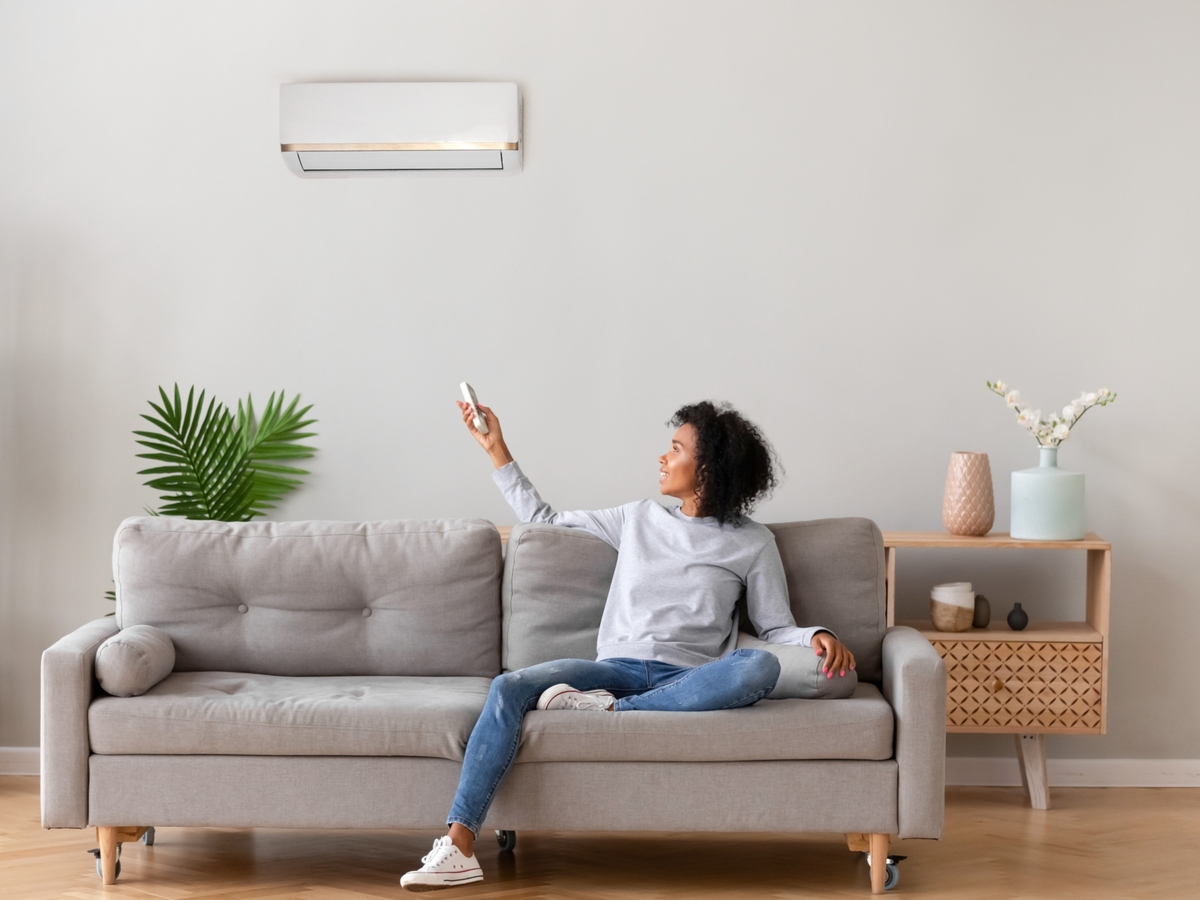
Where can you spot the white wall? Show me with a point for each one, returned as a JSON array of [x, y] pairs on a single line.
[[843, 218]]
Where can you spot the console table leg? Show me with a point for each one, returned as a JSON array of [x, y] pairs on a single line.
[[1031, 757], [1021, 764]]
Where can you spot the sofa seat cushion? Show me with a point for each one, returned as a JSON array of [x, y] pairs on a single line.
[[859, 727], [235, 714]]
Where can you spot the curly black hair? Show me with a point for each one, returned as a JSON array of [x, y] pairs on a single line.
[[735, 465]]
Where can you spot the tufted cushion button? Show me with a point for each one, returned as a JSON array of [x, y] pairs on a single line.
[[243, 608], [366, 612]]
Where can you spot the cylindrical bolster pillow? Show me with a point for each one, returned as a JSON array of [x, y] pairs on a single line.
[[800, 675], [134, 660]]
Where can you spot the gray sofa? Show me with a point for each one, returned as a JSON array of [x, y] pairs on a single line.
[[328, 675]]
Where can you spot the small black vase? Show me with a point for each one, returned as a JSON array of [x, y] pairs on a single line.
[[1017, 619]]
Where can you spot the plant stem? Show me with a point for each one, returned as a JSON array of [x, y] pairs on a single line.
[[1080, 416]]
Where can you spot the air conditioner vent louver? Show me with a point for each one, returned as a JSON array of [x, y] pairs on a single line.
[[400, 128]]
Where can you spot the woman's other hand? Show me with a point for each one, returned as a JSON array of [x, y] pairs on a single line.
[[493, 441], [837, 658]]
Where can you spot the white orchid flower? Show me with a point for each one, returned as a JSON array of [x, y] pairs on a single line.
[[1058, 428]]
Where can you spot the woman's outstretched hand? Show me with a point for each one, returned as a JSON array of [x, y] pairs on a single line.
[[837, 658], [493, 441]]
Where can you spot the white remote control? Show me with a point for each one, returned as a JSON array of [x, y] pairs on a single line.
[[468, 393]]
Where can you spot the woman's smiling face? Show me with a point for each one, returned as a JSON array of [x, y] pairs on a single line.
[[677, 467]]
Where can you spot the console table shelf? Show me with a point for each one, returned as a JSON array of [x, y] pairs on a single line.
[[997, 540], [1050, 678], [999, 631]]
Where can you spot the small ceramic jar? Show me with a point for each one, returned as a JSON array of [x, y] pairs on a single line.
[[952, 606]]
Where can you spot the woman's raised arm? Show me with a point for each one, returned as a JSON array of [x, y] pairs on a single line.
[[493, 441], [523, 497]]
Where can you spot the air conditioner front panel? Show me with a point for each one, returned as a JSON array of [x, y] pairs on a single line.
[[398, 160]]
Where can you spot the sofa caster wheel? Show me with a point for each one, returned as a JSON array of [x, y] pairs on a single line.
[[148, 837], [893, 877], [506, 839]]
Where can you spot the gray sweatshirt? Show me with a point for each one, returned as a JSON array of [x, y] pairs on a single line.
[[677, 578]]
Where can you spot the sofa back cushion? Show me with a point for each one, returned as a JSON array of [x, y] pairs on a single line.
[[836, 578], [316, 598], [556, 582]]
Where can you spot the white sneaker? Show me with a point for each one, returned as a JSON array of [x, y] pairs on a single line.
[[563, 696], [444, 866]]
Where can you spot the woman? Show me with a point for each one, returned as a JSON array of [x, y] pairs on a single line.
[[667, 639]]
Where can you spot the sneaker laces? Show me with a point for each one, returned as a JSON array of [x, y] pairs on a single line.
[[599, 699], [441, 849]]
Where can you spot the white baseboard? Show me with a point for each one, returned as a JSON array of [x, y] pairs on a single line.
[[1002, 771], [979, 771], [19, 761]]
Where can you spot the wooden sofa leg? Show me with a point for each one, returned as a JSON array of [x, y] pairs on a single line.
[[879, 856], [858, 843], [108, 837]]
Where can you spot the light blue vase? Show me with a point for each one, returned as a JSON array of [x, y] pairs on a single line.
[[1047, 502]]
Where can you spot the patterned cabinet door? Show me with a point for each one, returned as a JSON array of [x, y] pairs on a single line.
[[1025, 687]]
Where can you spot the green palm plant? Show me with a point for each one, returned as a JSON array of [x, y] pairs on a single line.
[[218, 465], [221, 466]]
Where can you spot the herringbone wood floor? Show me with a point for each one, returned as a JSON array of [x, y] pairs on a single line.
[[1095, 842]]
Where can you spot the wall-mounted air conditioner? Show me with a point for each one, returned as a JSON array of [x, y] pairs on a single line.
[[400, 128]]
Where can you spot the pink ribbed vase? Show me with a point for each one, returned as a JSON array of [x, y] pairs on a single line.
[[969, 506]]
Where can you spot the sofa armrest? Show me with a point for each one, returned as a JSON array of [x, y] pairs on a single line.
[[914, 683], [68, 683]]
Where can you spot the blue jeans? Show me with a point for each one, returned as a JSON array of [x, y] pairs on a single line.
[[739, 679]]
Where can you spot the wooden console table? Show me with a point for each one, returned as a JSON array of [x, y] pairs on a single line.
[[1051, 678]]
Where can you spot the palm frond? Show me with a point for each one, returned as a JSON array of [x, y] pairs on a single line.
[[276, 436], [215, 465]]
